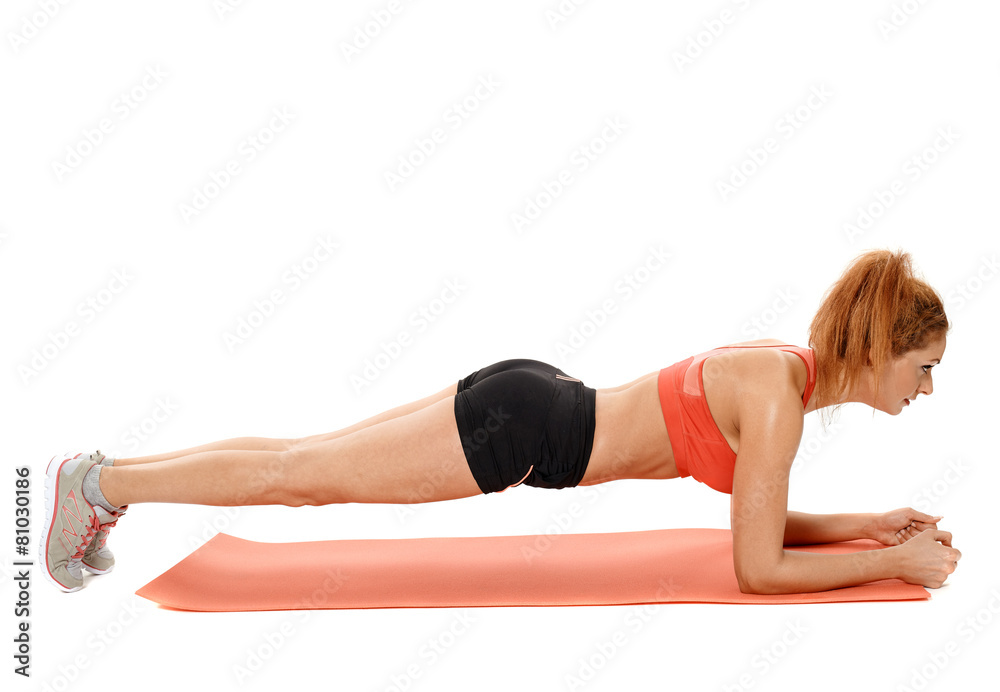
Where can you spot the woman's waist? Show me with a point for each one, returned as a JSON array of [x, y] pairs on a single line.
[[630, 438]]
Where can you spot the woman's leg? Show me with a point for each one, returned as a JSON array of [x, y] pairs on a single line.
[[414, 457], [269, 444]]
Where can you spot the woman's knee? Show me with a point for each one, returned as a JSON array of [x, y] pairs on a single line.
[[279, 480]]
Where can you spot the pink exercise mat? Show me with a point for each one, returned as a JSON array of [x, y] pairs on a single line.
[[660, 566]]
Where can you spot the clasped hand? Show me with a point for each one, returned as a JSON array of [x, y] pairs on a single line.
[[899, 525], [928, 557]]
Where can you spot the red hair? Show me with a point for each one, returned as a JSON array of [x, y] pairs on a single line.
[[878, 310]]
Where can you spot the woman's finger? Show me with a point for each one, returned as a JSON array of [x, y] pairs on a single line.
[[942, 536]]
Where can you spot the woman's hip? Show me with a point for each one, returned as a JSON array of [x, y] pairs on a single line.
[[525, 421]]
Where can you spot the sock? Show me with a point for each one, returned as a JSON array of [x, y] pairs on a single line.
[[108, 461], [92, 489]]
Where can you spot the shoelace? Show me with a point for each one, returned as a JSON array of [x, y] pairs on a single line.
[[120, 512], [107, 526], [86, 538]]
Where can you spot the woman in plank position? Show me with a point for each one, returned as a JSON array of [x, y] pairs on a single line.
[[730, 417]]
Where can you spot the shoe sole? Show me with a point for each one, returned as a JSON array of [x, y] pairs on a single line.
[[51, 489]]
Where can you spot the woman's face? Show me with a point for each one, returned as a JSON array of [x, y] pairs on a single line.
[[908, 376]]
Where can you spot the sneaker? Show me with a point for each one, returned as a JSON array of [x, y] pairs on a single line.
[[98, 558], [70, 521]]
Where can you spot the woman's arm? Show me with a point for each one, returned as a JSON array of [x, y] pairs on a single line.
[[805, 529], [770, 431], [770, 423], [889, 528]]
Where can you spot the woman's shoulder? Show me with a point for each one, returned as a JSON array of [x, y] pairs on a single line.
[[760, 342], [768, 371]]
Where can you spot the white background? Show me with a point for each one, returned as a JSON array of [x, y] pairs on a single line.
[[766, 251]]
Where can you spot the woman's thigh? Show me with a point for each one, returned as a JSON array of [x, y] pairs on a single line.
[[416, 457], [402, 410]]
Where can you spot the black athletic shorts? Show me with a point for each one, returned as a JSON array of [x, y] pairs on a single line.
[[524, 421]]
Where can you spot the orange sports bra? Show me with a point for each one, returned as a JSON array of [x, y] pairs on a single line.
[[700, 450]]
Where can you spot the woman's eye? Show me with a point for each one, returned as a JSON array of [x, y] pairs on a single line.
[[927, 367]]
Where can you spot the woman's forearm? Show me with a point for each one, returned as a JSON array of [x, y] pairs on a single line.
[[805, 529], [801, 572]]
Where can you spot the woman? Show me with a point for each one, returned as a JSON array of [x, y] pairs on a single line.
[[731, 417]]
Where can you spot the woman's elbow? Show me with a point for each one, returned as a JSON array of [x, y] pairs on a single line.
[[757, 583]]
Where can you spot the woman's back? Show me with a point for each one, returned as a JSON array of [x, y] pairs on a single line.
[[636, 442]]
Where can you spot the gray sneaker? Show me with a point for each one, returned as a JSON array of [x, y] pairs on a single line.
[[70, 521], [98, 558]]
